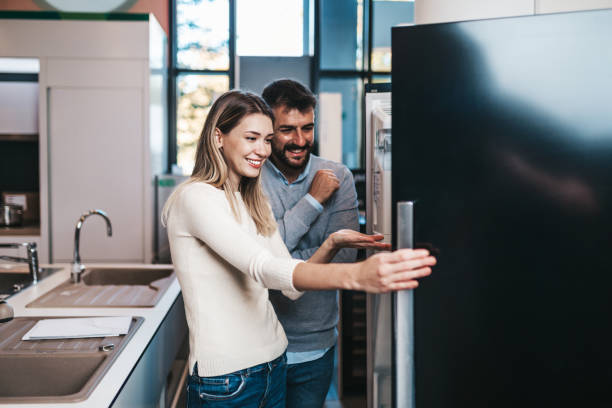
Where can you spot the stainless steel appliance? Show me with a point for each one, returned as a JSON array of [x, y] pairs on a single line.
[[11, 215], [388, 334], [164, 186]]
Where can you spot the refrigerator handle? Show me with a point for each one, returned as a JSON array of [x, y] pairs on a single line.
[[403, 321], [405, 224]]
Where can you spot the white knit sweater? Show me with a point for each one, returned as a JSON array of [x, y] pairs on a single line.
[[224, 268]]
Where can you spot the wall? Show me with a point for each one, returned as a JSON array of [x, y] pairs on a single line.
[[437, 11], [159, 8], [257, 72], [553, 6]]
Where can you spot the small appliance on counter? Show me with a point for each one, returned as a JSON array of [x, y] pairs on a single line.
[[164, 186], [11, 215], [28, 204]]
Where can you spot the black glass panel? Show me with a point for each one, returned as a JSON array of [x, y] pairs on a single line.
[[19, 166], [503, 135]]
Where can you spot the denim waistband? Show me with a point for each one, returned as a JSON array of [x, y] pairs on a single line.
[[250, 370], [259, 367]]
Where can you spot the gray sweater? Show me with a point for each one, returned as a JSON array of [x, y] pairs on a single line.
[[310, 322]]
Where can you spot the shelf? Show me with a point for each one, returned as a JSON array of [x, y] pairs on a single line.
[[27, 229], [32, 137]]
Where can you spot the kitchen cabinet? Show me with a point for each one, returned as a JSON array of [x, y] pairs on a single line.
[[94, 162], [102, 120]]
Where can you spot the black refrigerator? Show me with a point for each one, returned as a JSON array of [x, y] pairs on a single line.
[[502, 143]]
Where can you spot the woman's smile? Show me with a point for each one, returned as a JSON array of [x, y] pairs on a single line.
[[255, 162]]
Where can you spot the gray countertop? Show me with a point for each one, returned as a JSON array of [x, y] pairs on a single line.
[[117, 374]]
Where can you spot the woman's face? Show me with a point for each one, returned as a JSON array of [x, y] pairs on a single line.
[[247, 146]]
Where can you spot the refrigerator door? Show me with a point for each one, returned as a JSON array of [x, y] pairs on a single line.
[[508, 150]]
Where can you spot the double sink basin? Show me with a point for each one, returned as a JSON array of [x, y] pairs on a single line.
[[46, 371], [68, 370]]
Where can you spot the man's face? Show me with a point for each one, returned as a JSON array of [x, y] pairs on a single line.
[[293, 136]]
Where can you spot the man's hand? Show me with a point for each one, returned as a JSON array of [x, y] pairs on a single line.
[[346, 238], [324, 185]]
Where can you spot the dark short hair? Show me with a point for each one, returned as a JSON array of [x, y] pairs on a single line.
[[289, 93]]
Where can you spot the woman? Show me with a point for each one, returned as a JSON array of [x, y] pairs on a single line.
[[227, 251]]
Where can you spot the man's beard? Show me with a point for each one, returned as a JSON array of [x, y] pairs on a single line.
[[280, 155]]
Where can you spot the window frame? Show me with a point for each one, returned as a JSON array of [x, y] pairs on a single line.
[[175, 72], [365, 74]]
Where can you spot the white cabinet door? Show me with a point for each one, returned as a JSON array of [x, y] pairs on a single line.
[[96, 160]]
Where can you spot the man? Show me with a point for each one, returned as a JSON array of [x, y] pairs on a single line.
[[311, 198]]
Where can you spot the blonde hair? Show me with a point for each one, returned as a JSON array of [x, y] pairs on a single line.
[[210, 165]]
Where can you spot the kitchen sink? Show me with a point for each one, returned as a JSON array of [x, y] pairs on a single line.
[[110, 287], [53, 371], [33, 376], [13, 280], [132, 277]]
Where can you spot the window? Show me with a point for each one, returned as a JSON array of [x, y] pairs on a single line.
[[202, 69], [354, 48], [202, 34], [195, 95], [351, 47], [341, 28], [261, 31], [19, 65], [387, 14], [351, 90]]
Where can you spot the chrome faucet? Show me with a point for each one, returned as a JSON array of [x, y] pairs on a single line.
[[77, 266], [31, 260]]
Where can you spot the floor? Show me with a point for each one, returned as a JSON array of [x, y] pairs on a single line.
[[332, 401], [350, 402]]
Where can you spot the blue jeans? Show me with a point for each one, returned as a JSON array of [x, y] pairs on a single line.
[[308, 383], [259, 386]]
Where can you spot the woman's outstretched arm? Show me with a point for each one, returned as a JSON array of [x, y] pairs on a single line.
[[380, 273]]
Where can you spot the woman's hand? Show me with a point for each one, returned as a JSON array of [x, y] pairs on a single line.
[[393, 271], [380, 273], [347, 238]]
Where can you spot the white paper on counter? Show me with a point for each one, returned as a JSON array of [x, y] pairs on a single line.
[[79, 327]]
